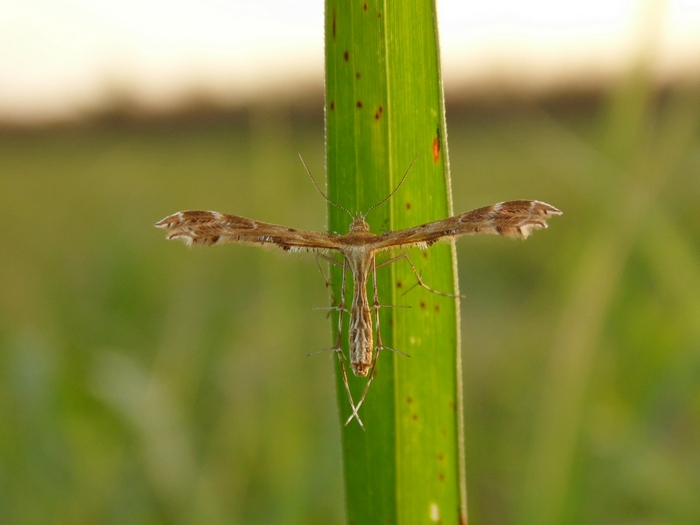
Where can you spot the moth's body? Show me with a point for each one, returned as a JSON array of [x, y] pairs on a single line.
[[358, 247], [360, 342]]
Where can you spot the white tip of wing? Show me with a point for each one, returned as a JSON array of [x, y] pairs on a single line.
[[542, 208], [169, 221], [518, 219], [183, 237], [526, 229]]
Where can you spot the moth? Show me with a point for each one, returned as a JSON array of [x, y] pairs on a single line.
[[358, 248]]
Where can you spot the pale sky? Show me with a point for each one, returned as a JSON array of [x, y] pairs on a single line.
[[64, 57]]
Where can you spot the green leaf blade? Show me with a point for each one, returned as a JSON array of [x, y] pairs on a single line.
[[384, 107]]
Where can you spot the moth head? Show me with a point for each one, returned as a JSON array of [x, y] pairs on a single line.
[[359, 225]]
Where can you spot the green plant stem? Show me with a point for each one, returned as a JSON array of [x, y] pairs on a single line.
[[384, 106]]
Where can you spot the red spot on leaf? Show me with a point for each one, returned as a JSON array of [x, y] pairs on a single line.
[[436, 150]]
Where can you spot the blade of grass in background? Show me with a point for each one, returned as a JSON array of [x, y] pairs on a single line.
[[384, 106]]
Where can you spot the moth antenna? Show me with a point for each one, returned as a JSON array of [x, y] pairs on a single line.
[[395, 189], [319, 189]]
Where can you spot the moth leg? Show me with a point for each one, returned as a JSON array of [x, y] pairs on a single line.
[[330, 259], [420, 282], [329, 286], [380, 346], [338, 349]]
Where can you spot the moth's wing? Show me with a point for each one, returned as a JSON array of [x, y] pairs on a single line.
[[211, 227], [515, 219]]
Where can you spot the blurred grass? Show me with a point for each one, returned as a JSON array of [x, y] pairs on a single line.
[[141, 382]]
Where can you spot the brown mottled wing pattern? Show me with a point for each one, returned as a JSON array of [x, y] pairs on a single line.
[[516, 219], [210, 227]]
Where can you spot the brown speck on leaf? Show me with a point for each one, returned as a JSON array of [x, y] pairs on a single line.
[[441, 476], [379, 112], [334, 25], [441, 456], [414, 416], [408, 205], [359, 104], [422, 304], [409, 399], [437, 307], [399, 284], [357, 75], [436, 150], [364, 7], [332, 105], [425, 255], [346, 56]]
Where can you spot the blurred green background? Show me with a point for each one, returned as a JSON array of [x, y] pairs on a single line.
[[142, 382]]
